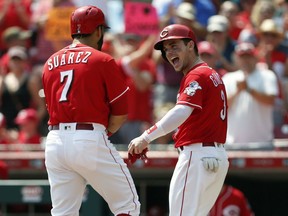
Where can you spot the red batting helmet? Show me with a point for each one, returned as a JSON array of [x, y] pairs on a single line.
[[86, 19], [174, 31]]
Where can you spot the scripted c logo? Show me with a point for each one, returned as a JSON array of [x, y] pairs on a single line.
[[164, 33]]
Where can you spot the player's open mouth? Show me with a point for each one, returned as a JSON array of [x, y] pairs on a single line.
[[175, 61]]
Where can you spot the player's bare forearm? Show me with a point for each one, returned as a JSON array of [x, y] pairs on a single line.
[[115, 122], [137, 145]]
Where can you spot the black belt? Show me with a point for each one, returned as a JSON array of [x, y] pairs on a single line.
[[79, 126], [204, 144]]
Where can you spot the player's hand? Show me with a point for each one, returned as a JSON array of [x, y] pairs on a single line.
[[137, 149], [137, 145], [211, 164]]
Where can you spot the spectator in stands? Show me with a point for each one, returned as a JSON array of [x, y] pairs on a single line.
[[14, 13], [251, 93], [246, 11], [274, 56], [42, 15], [261, 10], [270, 49], [231, 201], [218, 35], [139, 71], [230, 10], [166, 11], [205, 9], [186, 15], [13, 36], [27, 120], [16, 90], [210, 55]]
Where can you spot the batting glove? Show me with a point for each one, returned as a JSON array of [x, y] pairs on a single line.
[[211, 164], [133, 158]]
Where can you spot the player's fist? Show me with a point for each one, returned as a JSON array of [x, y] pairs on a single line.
[[137, 145], [211, 164]]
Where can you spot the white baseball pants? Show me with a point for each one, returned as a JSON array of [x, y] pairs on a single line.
[[193, 189], [75, 158]]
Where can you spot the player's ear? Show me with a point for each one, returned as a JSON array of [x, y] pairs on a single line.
[[191, 44]]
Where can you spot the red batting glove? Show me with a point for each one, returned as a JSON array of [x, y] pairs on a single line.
[[133, 158]]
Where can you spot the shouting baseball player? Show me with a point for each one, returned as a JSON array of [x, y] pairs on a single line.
[[200, 115], [86, 100]]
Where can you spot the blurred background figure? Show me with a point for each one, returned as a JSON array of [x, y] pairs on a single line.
[[49, 36], [261, 10], [210, 55], [28, 133], [230, 10], [14, 13], [139, 72], [186, 15], [17, 92], [251, 93], [273, 55], [14, 36], [231, 202], [218, 35]]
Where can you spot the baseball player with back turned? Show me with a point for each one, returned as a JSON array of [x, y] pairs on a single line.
[[86, 101], [200, 114]]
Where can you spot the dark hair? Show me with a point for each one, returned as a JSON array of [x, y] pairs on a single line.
[[187, 40]]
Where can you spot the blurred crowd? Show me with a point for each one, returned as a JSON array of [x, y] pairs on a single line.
[[246, 41]]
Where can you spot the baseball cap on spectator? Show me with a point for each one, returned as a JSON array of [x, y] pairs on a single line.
[[26, 115], [206, 47], [186, 10], [217, 23], [245, 49], [15, 32], [17, 51], [270, 26]]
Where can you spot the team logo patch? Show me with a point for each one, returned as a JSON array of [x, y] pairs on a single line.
[[192, 88]]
